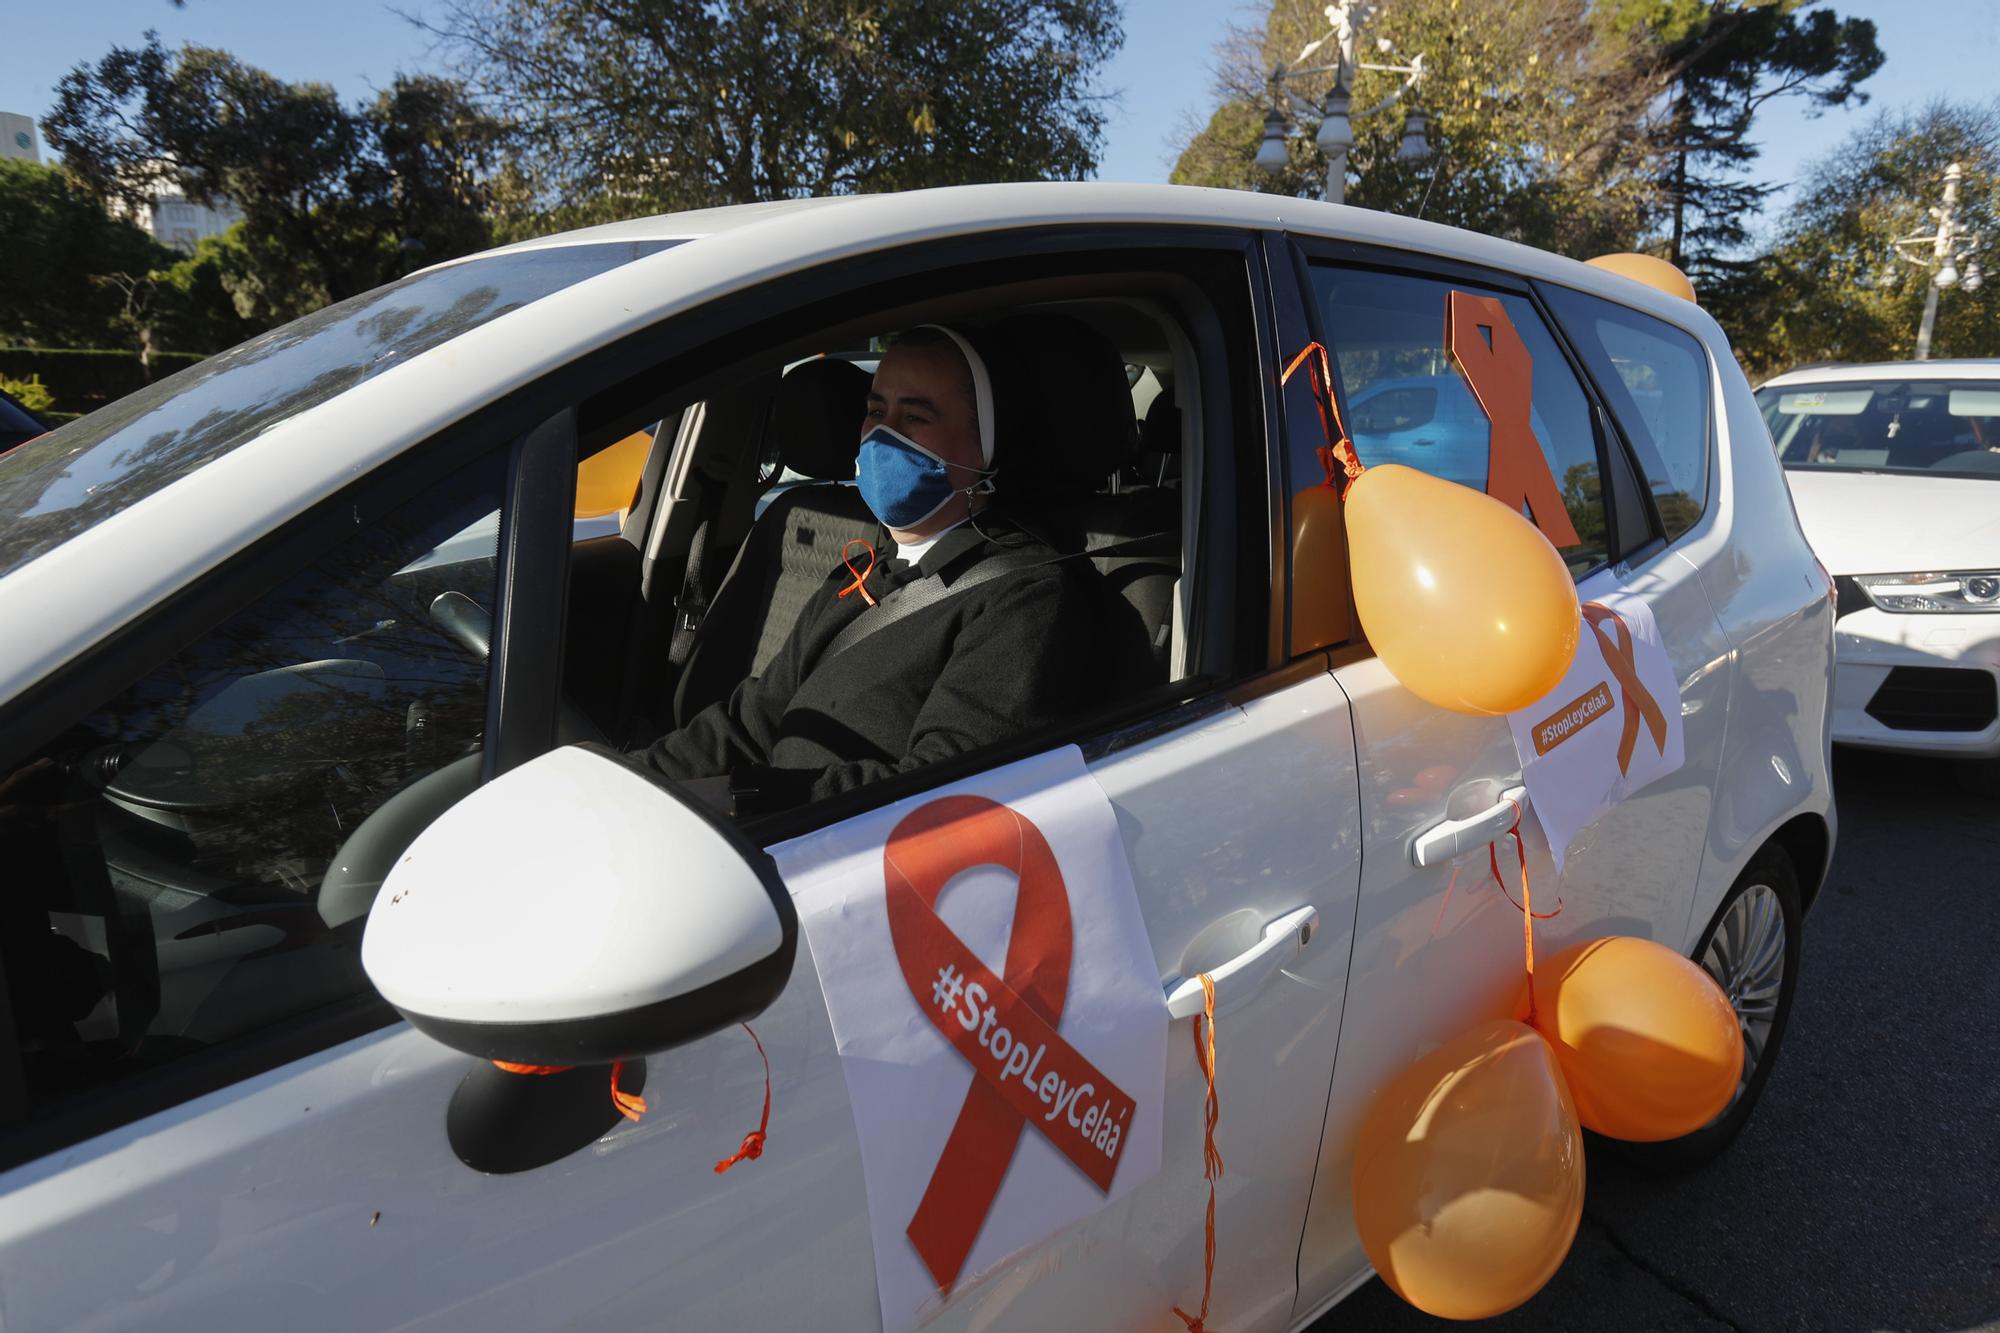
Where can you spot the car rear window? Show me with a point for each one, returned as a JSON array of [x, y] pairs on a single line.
[[56, 486], [1940, 427]]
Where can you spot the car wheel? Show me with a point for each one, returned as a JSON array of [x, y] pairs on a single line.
[[1751, 949]]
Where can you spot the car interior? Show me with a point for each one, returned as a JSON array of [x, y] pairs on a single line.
[[757, 505], [237, 811]]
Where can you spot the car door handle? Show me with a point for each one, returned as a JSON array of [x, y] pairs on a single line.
[[1245, 974], [1439, 843]]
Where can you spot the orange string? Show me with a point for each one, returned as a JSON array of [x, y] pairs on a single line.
[[630, 1104], [1338, 447], [860, 583], [753, 1142], [1529, 916], [1211, 1158]]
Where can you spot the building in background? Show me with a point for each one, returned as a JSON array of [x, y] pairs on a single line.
[[170, 217], [17, 138]]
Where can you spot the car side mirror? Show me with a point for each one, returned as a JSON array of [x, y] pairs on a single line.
[[576, 911]]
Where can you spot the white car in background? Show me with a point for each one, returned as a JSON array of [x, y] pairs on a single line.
[[263, 621], [1895, 470]]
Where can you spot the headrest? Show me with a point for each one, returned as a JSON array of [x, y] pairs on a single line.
[[816, 417], [1161, 432], [1062, 406]]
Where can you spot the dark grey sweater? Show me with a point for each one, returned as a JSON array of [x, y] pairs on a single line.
[[1008, 655]]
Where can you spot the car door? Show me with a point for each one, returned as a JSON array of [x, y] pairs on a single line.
[[209, 1117], [1439, 946]]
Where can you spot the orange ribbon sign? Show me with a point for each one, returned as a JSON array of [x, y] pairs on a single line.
[[1024, 1072], [1621, 659], [1497, 365]]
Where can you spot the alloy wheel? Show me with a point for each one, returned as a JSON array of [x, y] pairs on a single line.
[[1746, 957]]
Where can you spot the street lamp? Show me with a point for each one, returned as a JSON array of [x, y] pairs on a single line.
[[1335, 113], [1941, 250]]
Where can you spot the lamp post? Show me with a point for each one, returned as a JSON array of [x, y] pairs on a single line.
[[1941, 252], [1335, 112]]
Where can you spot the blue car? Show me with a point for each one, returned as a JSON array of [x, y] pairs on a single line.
[[1428, 422]]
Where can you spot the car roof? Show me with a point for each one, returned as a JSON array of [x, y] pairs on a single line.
[[1966, 368], [196, 522]]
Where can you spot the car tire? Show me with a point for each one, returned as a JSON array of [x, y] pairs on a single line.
[[1754, 933]]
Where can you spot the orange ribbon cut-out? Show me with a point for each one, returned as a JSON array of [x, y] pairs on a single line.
[[1621, 659], [1338, 447], [931, 845], [1501, 374], [860, 583], [1211, 1157]]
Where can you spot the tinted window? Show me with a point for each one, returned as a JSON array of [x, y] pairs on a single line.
[[74, 476], [1656, 379], [1937, 426], [193, 861], [1410, 402]]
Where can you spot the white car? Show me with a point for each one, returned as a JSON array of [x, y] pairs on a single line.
[[240, 669], [1895, 469]]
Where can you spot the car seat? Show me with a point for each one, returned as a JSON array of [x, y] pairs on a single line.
[[1065, 428], [816, 422]]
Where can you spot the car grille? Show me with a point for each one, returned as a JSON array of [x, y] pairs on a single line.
[[1935, 699]]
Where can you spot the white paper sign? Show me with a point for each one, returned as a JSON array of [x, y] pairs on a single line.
[[984, 1126], [1610, 728]]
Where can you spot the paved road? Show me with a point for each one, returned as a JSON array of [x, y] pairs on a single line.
[[1865, 1192]]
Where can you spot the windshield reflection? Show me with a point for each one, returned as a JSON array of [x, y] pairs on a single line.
[[56, 486]]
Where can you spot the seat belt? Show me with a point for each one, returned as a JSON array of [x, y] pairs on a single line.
[[928, 591], [691, 607]]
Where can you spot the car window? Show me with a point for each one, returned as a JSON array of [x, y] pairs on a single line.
[[62, 483], [1408, 401], [1940, 427], [1656, 379], [192, 861]]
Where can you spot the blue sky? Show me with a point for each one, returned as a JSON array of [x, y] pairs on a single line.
[[1947, 48]]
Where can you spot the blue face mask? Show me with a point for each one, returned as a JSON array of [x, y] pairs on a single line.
[[902, 482]]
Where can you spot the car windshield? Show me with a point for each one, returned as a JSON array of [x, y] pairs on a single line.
[[67, 480], [1937, 427]]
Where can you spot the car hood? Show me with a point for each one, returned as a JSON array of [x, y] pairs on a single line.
[[1885, 523]]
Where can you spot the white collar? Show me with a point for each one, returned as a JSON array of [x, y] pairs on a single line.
[[916, 550]]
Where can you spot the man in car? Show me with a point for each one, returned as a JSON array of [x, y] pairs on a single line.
[[957, 628]]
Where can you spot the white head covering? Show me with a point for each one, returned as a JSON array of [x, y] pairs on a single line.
[[982, 391]]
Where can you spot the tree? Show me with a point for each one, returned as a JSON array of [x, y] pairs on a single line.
[[1830, 288], [64, 261], [1716, 64], [1535, 120], [343, 198], [632, 106]]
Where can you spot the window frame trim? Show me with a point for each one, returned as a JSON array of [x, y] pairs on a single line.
[[1621, 548], [142, 644]]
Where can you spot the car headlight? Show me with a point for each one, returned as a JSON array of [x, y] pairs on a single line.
[[1967, 590]]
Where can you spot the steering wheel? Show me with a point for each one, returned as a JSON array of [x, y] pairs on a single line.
[[469, 623]]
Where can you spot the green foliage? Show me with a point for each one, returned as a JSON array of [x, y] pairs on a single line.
[[1829, 289], [30, 393], [634, 106], [1535, 120], [60, 250], [83, 379], [1716, 63], [336, 199]]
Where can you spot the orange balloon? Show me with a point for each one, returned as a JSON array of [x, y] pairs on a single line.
[[1652, 271], [1649, 1043], [1463, 599], [1468, 1174]]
